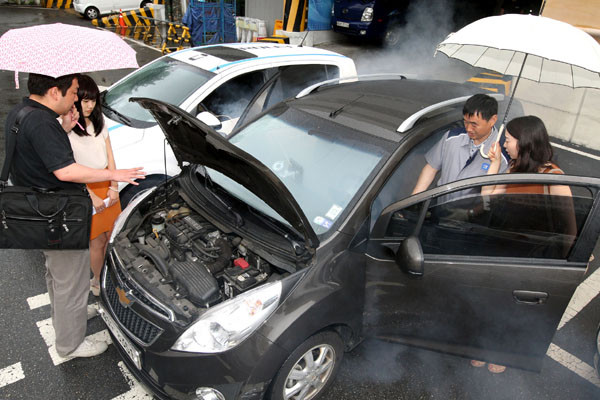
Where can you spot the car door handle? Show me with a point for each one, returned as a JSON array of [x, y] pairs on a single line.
[[529, 297]]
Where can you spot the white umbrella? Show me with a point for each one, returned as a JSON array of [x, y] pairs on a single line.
[[528, 46]]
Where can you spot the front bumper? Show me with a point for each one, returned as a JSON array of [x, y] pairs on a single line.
[[243, 372], [369, 30]]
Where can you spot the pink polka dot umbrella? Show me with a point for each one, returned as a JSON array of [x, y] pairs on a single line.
[[62, 49]]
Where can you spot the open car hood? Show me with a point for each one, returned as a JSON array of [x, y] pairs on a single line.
[[197, 143]]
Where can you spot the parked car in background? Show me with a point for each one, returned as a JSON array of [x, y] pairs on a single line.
[[92, 9], [279, 247], [369, 19], [382, 20], [223, 80]]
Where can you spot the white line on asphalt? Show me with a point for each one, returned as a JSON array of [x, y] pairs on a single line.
[[137, 391], [11, 374], [38, 301], [581, 153], [47, 332], [574, 364], [585, 292]]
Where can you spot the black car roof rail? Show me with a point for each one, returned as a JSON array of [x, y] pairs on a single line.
[[409, 122], [309, 89]]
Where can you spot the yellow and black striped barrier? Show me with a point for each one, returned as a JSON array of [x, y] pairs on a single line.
[[130, 18], [177, 37], [492, 82], [294, 15], [275, 39], [59, 3]]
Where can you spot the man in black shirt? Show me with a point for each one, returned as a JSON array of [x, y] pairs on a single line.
[[43, 158]]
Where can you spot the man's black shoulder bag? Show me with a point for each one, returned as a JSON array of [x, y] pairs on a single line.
[[46, 219]]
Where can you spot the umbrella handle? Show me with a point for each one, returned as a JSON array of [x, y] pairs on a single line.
[[495, 141]]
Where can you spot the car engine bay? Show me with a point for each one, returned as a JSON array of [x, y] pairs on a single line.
[[174, 255]]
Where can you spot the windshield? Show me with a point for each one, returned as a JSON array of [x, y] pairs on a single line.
[[322, 164], [167, 79]]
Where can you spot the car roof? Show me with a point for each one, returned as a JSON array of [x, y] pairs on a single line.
[[380, 106], [222, 57]]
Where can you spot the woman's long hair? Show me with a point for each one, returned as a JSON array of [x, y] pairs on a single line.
[[88, 90], [533, 146]]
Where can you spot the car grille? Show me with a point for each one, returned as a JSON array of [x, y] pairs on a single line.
[[139, 295], [143, 330]]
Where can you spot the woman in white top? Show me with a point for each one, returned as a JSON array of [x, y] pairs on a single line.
[[91, 147]]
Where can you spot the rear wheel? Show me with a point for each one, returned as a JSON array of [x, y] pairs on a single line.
[[145, 3], [91, 13], [310, 369]]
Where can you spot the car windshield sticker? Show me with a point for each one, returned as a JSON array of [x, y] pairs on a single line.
[[334, 211], [324, 222]]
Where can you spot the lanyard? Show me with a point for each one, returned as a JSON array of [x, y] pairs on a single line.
[[470, 160]]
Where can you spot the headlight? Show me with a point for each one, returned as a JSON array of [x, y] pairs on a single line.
[[228, 324], [120, 221], [367, 15]]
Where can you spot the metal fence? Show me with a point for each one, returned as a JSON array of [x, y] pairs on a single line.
[[211, 21]]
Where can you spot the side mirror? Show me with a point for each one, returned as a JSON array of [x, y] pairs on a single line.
[[409, 257], [209, 119]]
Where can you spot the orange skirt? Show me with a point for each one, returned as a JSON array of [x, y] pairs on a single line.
[[104, 221]]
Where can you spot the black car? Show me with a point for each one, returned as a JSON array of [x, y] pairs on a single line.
[[278, 249]]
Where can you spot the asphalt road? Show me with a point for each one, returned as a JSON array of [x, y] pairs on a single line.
[[374, 370]]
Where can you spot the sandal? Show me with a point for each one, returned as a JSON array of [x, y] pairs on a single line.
[[496, 369], [95, 287], [477, 363]]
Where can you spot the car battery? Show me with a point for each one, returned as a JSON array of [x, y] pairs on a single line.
[[241, 277]]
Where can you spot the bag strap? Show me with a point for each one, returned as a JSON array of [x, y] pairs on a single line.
[[11, 141]]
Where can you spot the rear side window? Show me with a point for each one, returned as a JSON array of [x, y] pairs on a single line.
[[287, 83], [501, 225]]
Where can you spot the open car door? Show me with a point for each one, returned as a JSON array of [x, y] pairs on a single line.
[[485, 277]]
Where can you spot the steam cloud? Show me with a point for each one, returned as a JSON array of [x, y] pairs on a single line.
[[428, 22]]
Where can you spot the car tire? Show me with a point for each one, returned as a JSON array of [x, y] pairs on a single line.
[[391, 38], [145, 3], [91, 13], [130, 191], [297, 380]]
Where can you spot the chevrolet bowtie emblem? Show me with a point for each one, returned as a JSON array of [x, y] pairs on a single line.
[[123, 299]]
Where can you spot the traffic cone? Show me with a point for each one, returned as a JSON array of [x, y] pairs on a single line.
[[121, 21]]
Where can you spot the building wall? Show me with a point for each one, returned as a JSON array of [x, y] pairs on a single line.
[[267, 10]]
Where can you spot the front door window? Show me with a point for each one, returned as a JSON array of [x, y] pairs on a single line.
[[501, 225]]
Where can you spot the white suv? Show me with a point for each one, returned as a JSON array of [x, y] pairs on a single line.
[[233, 82]]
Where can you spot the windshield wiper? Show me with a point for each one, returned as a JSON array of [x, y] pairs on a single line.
[[120, 116], [298, 248], [239, 221]]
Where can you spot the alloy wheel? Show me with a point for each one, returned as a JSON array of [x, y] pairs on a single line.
[[310, 373], [92, 13]]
